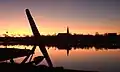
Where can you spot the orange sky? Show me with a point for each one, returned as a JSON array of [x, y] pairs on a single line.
[[54, 16], [52, 26]]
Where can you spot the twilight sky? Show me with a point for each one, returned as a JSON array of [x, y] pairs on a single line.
[[53, 16]]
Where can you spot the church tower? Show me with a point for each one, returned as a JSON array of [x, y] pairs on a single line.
[[67, 30]]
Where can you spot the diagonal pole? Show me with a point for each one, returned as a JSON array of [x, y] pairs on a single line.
[[38, 38]]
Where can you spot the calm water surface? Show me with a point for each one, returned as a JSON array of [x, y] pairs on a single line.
[[80, 59]]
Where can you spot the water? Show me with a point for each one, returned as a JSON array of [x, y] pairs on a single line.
[[80, 59]]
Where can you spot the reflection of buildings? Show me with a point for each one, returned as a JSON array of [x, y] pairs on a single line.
[[65, 47], [63, 43]]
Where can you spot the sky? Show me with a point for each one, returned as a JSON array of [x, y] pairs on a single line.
[[53, 16]]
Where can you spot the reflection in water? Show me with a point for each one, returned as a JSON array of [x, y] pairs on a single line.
[[80, 59]]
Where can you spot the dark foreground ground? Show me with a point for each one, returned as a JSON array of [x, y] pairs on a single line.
[[8, 67], [10, 53]]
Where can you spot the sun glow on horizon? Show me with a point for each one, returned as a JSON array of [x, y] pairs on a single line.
[[51, 27], [53, 18]]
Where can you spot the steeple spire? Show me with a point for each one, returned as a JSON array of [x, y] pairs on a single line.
[[67, 30]]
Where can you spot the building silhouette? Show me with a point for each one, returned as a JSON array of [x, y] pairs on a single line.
[[64, 34]]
